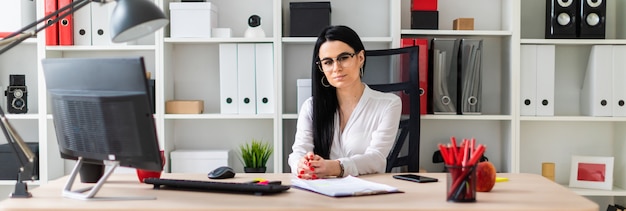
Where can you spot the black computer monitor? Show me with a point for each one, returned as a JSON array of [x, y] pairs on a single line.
[[102, 112]]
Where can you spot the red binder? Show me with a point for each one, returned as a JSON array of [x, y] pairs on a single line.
[[66, 34], [423, 74], [52, 32], [404, 73], [424, 5]]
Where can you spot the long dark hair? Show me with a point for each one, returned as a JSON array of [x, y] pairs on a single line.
[[325, 98]]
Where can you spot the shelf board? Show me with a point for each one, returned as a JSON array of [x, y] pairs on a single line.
[[50, 117], [456, 32], [22, 116], [290, 116], [219, 40], [617, 191], [466, 117], [12, 182], [102, 48], [575, 41], [440, 117], [30, 41], [572, 119], [217, 116], [313, 39]]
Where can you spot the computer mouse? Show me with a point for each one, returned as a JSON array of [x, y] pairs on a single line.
[[222, 172]]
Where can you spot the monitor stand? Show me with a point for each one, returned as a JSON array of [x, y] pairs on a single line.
[[79, 193]]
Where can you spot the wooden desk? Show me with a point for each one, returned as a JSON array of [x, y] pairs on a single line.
[[523, 192]]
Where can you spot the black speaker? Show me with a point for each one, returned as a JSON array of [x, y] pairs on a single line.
[[561, 18], [592, 19]]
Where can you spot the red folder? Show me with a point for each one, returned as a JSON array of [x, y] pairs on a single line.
[[66, 34], [404, 73], [52, 32], [423, 74], [422, 71], [424, 5]]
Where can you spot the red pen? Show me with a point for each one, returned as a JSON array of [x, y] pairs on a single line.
[[444, 154], [454, 150], [465, 152]]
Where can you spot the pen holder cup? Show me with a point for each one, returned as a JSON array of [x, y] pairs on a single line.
[[461, 183], [144, 174]]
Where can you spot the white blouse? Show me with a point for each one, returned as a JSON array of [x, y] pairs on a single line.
[[366, 140]]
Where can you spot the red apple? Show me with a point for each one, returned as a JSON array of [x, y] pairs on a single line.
[[485, 176]]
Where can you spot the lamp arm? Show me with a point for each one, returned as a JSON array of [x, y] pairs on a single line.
[[25, 34], [53, 14], [26, 167], [13, 138], [17, 139]]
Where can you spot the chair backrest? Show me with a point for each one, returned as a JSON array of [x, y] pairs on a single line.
[[403, 59]]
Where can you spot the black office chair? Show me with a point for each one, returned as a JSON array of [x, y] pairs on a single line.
[[409, 127]]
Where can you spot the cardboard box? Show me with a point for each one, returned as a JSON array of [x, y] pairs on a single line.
[[463, 24], [184, 107], [197, 161], [307, 19], [192, 19], [304, 91]]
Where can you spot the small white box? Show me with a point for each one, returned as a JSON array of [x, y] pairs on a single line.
[[304, 91], [222, 32], [197, 161], [192, 19]]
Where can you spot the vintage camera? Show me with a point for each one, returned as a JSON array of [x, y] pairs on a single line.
[[16, 95]]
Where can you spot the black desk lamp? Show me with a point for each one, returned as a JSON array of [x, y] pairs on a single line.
[[131, 19]]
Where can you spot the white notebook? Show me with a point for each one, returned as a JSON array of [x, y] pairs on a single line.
[[341, 187]]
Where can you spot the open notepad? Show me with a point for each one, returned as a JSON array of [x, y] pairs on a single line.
[[340, 187]]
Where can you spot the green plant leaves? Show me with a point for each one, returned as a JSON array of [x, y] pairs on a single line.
[[256, 153]]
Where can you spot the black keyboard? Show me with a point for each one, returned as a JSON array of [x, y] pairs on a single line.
[[227, 187]]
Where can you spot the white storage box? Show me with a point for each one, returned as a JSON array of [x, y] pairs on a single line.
[[192, 19], [304, 91], [197, 161], [221, 32]]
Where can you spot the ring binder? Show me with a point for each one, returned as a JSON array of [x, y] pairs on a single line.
[[470, 72], [445, 70]]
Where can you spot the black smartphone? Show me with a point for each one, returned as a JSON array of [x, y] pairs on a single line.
[[415, 178]]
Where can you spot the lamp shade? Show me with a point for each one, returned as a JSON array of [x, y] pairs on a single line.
[[132, 19]]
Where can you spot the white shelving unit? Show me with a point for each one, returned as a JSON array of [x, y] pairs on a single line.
[[497, 126], [188, 68], [568, 132], [190, 71]]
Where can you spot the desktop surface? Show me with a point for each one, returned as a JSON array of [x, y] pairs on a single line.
[[523, 192]]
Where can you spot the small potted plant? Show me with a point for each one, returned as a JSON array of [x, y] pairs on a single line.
[[255, 155]]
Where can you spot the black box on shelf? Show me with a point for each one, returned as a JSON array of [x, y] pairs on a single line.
[[424, 19], [10, 165], [151, 90], [307, 19]]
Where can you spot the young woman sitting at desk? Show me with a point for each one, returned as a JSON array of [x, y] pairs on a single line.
[[345, 128]]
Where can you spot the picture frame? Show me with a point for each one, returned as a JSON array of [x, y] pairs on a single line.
[[591, 172]]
